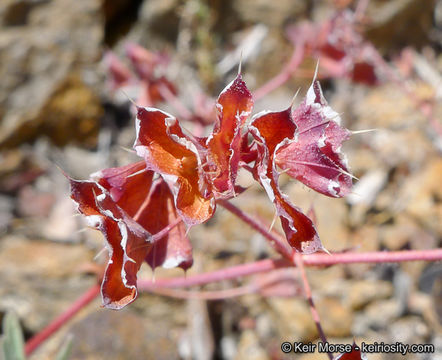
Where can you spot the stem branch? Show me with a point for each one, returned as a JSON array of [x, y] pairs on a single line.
[[285, 74], [275, 240], [308, 260], [297, 259], [214, 276]]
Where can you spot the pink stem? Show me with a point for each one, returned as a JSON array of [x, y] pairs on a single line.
[[320, 259], [214, 276], [276, 241], [308, 260], [297, 259], [285, 74], [33, 343], [166, 230], [373, 257]]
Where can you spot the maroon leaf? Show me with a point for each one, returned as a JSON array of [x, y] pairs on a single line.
[[314, 155], [271, 131]]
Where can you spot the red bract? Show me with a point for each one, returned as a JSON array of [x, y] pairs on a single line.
[[183, 176], [169, 152], [120, 202], [234, 106], [313, 156], [173, 249], [272, 130]]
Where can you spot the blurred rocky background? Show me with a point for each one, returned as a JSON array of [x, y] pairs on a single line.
[[58, 110]]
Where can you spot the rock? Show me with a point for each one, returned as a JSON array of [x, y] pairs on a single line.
[[18, 168], [396, 126], [410, 329], [273, 14], [15, 13], [422, 194], [292, 318], [327, 281], [122, 335], [377, 315], [428, 308], [40, 279], [388, 28], [250, 348], [396, 237], [359, 293], [336, 320], [6, 207], [158, 20], [200, 332], [367, 188], [331, 222], [45, 66], [71, 113]]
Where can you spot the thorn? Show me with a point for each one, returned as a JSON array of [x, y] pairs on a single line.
[[85, 229], [325, 250], [316, 71], [61, 170], [283, 171], [312, 214], [137, 173], [240, 63], [362, 131], [132, 151], [294, 98], [348, 174], [273, 221], [99, 253], [129, 98]]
